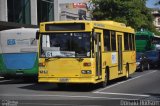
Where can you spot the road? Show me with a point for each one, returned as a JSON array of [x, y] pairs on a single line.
[[142, 88]]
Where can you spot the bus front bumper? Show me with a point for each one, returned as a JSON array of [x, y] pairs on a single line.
[[68, 80]]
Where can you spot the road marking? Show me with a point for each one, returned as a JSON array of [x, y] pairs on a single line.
[[47, 104], [5, 80], [51, 104], [1, 77], [67, 96], [124, 82], [125, 94]]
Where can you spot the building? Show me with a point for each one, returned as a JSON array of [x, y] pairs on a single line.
[[17, 13], [156, 14], [29, 13], [71, 10], [74, 11]]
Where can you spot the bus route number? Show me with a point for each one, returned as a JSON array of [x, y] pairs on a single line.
[[49, 54], [52, 53]]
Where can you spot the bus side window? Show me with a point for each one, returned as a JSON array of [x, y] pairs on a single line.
[[130, 42], [107, 43], [126, 43], [113, 40], [133, 40]]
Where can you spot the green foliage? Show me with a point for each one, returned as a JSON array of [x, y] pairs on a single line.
[[157, 33], [131, 12]]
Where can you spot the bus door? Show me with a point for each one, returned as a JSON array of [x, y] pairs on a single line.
[[98, 55], [120, 58]]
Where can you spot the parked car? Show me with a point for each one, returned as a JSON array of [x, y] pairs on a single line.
[[154, 57], [142, 62]]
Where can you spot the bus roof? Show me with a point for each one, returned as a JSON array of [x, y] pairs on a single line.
[[99, 24], [20, 30], [147, 33]]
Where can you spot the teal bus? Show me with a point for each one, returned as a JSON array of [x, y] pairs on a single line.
[[1, 60], [18, 53], [144, 41]]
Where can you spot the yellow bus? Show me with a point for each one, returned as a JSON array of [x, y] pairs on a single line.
[[85, 52]]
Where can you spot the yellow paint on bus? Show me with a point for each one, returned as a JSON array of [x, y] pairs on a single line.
[[85, 51]]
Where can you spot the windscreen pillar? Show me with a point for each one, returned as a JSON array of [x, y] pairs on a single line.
[[33, 12], [3, 10]]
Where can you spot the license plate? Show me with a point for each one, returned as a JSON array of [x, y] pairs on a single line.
[[19, 73], [63, 79]]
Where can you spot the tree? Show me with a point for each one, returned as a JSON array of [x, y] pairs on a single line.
[[131, 12], [157, 3]]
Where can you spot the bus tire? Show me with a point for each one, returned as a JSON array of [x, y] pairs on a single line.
[[7, 77], [142, 68], [105, 82], [127, 71], [148, 66]]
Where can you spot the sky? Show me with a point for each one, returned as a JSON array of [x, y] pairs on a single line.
[[150, 4]]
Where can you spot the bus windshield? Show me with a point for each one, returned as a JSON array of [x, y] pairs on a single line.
[[141, 37], [70, 44]]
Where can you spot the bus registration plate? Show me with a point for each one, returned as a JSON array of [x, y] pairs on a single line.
[[63, 79]]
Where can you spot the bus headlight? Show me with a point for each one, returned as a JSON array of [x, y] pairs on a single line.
[[89, 72], [86, 72], [83, 72]]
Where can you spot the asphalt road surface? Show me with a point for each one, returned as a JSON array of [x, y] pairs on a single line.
[[142, 88]]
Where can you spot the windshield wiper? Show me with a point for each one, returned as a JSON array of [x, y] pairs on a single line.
[[58, 56], [80, 59], [53, 58], [48, 59]]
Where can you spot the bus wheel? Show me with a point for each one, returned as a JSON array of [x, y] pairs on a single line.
[[7, 77], [127, 71], [105, 82], [142, 68], [148, 66]]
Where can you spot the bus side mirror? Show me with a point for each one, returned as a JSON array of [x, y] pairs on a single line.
[[37, 35]]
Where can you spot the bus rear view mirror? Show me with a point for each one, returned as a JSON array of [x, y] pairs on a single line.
[[37, 35]]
